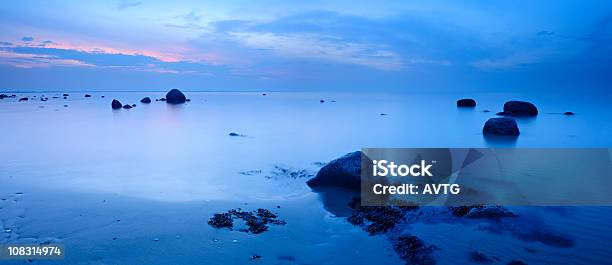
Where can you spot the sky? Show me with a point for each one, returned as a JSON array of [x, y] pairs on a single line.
[[131, 45]]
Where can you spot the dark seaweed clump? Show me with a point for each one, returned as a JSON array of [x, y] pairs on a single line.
[[221, 220], [481, 258], [377, 219], [413, 250], [279, 172], [257, 221], [481, 212]]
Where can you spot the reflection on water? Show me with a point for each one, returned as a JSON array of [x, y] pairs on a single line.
[[183, 152]]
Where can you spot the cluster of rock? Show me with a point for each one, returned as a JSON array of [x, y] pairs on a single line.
[[507, 125], [174, 96]]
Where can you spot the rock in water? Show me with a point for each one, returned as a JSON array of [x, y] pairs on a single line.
[[87, 95], [519, 108], [343, 172], [175, 96], [568, 113], [145, 100], [501, 126], [466, 102], [127, 106], [116, 104], [23, 99]]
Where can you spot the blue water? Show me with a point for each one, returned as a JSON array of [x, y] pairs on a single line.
[[68, 173]]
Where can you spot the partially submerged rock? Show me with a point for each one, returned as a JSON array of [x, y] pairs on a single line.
[[127, 106], [234, 134], [145, 100], [343, 172], [466, 102], [501, 126], [24, 99], [519, 109], [175, 96], [87, 95], [568, 113], [116, 104]]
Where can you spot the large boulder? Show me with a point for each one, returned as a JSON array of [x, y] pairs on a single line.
[[501, 126], [466, 102], [145, 100], [519, 108], [175, 96], [116, 104], [343, 172]]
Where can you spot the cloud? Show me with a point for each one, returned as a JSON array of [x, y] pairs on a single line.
[[27, 60], [27, 39], [127, 4], [328, 49]]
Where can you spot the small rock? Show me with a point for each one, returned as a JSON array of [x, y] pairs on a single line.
[[466, 102], [234, 134], [145, 100], [188, 100], [65, 95], [263, 94], [255, 257], [486, 110], [175, 96], [87, 95], [65, 106], [519, 108], [156, 239], [116, 104], [569, 113], [321, 101], [23, 99], [133, 105], [127, 106], [501, 126]]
